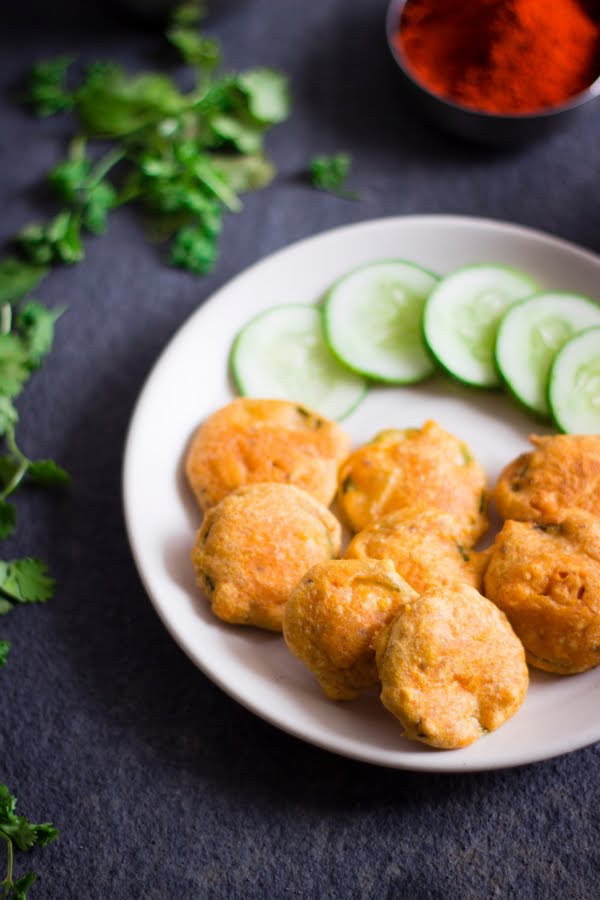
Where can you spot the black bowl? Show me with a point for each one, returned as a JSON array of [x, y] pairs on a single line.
[[475, 125]]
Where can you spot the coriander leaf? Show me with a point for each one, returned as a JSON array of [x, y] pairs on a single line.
[[245, 173], [26, 580], [7, 803], [246, 138], [221, 96], [4, 651], [155, 167], [171, 196], [19, 829], [99, 201], [8, 518], [64, 234], [35, 244], [47, 88], [36, 327], [58, 241], [201, 52], [20, 887], [194, 249], [47, 473], [111, 103], [208, 211], [187, 14], [18, 278], [267, 94], [329, 173], [69, 177], [45, 833], [79, 186], [14, 369], [26, 835]]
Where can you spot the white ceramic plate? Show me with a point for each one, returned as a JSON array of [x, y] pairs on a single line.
[[190, 380]]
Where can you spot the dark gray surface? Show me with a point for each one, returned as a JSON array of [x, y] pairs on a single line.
[[161, 785]]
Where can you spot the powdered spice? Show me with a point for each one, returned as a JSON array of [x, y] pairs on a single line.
[[502, 56]]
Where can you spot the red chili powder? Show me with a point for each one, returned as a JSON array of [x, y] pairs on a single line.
[[504, 56]]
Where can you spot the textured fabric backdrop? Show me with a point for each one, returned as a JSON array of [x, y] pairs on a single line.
[[161, 785]]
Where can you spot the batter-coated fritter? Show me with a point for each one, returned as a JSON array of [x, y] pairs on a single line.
[[546, 578], [451, 667], [255, 545], [425, 546], [333, 616], [426, 466], [562, 472], [251, 441]]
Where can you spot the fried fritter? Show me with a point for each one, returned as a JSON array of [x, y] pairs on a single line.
[[562, 472], [451, 667], [333, 616], [250, 441], [255, 545], [425, 546], [400, 468], [546, 578]]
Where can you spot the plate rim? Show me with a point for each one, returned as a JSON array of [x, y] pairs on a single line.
[[420, 762]]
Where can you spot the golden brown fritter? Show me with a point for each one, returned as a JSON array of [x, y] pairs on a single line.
[[546, 578], [451, 667], [255, 545], [333, 616], [250, 441], [562, 472], [425, 545], [426, 466]]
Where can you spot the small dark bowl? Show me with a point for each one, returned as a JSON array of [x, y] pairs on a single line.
[[475, 125]]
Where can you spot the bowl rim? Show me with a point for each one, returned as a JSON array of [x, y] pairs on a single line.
[[392, 20]]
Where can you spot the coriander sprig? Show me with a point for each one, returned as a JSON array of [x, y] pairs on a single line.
[[330, 173], [26, 335], [185, 157], [19, 834]]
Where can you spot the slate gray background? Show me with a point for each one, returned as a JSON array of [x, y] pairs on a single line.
[[162, 786]]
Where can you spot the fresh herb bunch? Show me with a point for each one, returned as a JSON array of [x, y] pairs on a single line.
[[185, 157], [19, 833], [26, 334]]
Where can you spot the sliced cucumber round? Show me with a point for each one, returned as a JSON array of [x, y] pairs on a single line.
[[281, 354], [530, 334], [461, 319], [574, 384], [373, 321]]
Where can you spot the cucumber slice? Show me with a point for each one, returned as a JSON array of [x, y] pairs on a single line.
[[574, 384], [373, 321], [529, 336], [281, 354], [462, 315]]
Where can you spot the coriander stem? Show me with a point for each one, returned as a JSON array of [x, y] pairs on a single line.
[[104, 166], [129, 193], [15, 481], [21, 470], [9, 863], [77, 147], [5, 318], [217, 186]]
